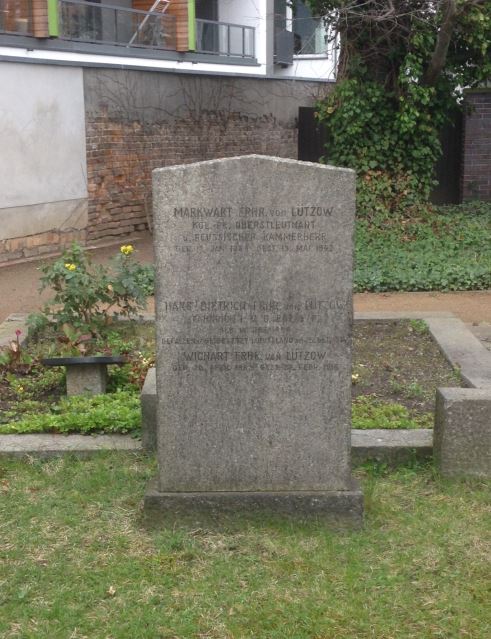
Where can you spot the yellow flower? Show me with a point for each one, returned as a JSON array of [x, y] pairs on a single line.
[[354, 378], [126, 249], [70, 267], [20, 389]]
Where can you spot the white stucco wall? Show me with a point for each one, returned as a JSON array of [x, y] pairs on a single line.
[[43, 175], [312, 67], [315, 67], [117, 61], [246, 12], [254, 13], [42, 133]]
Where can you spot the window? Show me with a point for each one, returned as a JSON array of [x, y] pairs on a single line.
[[207, 10], [310, 34]]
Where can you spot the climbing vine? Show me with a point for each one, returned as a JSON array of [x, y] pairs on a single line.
[[402, 69]]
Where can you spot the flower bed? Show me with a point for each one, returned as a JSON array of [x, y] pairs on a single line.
[[396, 370], [80, 321]]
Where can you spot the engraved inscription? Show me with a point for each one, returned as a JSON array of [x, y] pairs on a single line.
[[208, 229], [244, 334]]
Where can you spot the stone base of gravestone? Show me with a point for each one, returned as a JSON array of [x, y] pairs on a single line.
[[253, 322], [338, 508]]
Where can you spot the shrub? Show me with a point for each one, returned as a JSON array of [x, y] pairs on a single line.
[[13, 357], [86, 295]]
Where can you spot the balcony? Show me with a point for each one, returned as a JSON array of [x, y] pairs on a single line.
[[105, 24], [87, 22], [16, 17], [222, 38]]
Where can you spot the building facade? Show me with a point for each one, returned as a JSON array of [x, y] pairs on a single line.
[[94, 96], [97, 94]]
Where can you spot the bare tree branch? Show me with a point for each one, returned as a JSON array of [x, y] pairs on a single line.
[[439, 56]]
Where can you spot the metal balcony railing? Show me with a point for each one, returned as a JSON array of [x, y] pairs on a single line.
[[222, 38], [107, 24], [16, 17]]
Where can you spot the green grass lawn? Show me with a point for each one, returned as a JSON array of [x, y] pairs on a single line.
[[77, 562]]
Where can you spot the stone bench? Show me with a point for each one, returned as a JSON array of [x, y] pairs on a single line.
[[85, 375]]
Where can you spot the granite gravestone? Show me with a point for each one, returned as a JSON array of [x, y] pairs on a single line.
[[253, 320]]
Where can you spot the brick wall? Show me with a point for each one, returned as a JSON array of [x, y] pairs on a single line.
[[476, 172], [19, 249], [136, 121], [121, 155]]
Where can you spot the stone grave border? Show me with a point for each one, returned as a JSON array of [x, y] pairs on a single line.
[[460, 347]]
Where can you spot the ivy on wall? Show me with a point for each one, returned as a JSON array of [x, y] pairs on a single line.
[[402, 67]]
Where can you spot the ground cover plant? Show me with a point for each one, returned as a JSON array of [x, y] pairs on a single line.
[[401, 71], [449, 249], [78, 562], [396, 370], [117, 412]]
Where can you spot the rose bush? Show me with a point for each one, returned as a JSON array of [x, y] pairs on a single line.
[[87, 295]]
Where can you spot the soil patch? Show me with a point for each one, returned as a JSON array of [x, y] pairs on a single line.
[[398, 361]]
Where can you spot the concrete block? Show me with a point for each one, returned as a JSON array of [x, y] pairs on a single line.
[[391, 447], [13, 323], [46, 445], [463, 350], [88, 379], [462, 435]]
